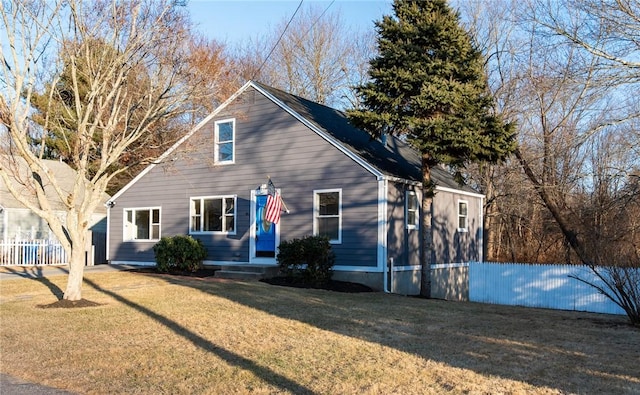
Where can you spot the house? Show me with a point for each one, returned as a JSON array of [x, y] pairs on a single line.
[[334, 179], [20, 226]]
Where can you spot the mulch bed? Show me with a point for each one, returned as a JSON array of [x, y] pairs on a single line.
[[333, 285]]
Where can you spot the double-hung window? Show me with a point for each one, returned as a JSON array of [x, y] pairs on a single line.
[[213, 215], [142, 224], [224, 150], [412, 210], [463, 216], [327, 218]]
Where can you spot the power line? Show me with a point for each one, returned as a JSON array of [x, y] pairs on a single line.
[[318, 19], [278, 42]]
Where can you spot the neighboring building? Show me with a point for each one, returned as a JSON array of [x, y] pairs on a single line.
[[334, 179], [19, 224]]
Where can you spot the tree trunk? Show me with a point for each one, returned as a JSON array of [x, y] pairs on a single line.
[[76, 271], [426, 231], [490, 233], [559, 215]]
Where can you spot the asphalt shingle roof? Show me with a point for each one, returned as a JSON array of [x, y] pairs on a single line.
[[395, 158]]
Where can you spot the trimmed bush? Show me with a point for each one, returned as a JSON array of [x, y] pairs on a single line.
[[309, 259], [179, 253]]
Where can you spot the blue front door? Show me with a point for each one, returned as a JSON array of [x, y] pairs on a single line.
[[265, 231]]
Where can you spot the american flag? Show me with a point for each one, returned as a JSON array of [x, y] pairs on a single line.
[[273, 207]]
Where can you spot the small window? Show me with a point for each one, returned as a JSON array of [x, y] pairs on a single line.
[[213, 215], [225, 141], [463, 216], [142, 224], [412, 208], [327, 220]]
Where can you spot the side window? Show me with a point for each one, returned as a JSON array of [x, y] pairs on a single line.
[[224, 151], [213, 215], [327, 217], [412, 210], [463, 216], [142, 224]]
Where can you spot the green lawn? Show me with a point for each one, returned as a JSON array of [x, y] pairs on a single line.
[[163, 334]]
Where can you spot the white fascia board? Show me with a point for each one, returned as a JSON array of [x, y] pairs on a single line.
[[402, 180], [459, 192], [379, 175], [438, 187], [182, 140]]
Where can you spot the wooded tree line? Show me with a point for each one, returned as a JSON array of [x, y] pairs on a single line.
[[131, 77], [567, 73]]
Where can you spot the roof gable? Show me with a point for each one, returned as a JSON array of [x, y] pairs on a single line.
[[395, 159]]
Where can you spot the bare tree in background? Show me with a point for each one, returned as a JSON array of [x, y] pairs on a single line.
[[318, 57], [141, 39], [565, 72]]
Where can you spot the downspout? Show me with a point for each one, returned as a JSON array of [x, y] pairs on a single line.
[[383, 230], [109, 204]]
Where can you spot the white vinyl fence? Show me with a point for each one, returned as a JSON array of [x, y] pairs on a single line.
[[31, 252], [545, 286]]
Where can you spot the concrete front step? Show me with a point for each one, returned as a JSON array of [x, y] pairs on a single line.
[[246, 272]]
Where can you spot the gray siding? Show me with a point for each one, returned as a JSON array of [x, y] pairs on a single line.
[[269, 142], [402, 243], [450, 245]]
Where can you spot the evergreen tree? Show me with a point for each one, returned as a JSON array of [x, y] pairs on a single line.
[[428, 85]]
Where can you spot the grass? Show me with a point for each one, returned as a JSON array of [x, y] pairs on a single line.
[[163, 334]]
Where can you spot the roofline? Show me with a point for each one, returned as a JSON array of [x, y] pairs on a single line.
[[438, 187], [460, 192], [366, 165], [336, 143], [200, 124], [402, 180]]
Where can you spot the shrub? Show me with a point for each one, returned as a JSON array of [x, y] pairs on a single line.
[[309, 259], [182, 253]]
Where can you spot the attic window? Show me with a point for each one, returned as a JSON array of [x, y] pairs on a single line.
[[224, 151]]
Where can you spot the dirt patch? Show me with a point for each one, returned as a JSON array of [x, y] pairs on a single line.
[[68, 304], [333, 285]]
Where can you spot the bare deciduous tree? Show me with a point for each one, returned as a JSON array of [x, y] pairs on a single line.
[[317, 57], [136, 79], [567, 75]]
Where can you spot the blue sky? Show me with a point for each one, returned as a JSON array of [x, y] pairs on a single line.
[[236, 21]]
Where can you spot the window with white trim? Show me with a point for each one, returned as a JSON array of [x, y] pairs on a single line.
[[412, 210], [142, 224], [215, 214], [463, 216], [327, 214], [224, 135]]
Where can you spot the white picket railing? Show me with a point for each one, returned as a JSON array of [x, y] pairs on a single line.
[[545, 286], [31, 252]]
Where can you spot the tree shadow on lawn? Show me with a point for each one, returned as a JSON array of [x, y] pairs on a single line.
[[539, 347], [230, 357], [36, 273]]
